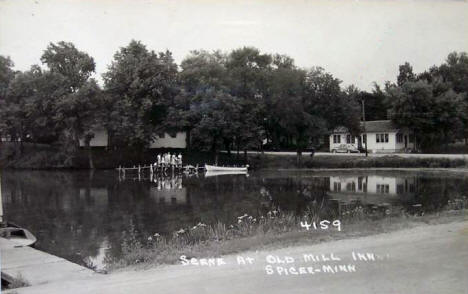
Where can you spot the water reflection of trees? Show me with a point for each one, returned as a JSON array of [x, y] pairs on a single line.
[[50, 205], [74, 213]]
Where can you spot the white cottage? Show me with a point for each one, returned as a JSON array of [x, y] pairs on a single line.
[[163, 140], [170, 140], [380, 136]]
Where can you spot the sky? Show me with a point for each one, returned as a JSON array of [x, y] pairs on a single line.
[[359, 42]]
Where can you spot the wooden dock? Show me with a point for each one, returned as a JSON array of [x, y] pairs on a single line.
[[37, 267], [152, 169]]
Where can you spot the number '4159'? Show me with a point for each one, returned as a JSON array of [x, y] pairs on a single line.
[[322, 225]]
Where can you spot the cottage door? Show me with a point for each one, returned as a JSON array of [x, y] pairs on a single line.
[[406, 141]]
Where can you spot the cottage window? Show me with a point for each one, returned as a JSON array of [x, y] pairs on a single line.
[[383, 189], [381, 138], [348, 139], [161, 135], [336, 139], [336, 187]]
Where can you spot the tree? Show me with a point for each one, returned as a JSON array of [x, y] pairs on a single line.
[[65, 59], [455, 71], [249, 74], [30, 105], [406, 74], [376, 104], [142, 85], [246, 68], [292, 108], [434, 115], [451, 75], [6, 76], [56, 104], [201, 72], [219, 113], [79, 114], [337, 107], [77, 100], [14, 110], [213, 82]]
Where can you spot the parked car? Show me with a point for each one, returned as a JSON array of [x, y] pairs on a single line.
[[270, 147], [345, 148]]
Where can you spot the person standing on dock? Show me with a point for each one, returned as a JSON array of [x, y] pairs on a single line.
[[168, 159], [163, 161], [158, 162], [173, 161], [179, 160]]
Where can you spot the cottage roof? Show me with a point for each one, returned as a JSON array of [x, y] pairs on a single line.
[[340, 129], [379, 126], [374, 126]]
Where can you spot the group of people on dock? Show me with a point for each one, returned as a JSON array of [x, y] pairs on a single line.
[[168, 160]]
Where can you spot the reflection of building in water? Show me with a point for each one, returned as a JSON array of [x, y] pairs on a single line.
[[367, 187], [169, 191], [372, 184]]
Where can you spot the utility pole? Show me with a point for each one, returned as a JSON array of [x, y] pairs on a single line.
[[1, 200], [364, 125]]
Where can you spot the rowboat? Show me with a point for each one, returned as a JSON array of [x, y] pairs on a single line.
[[215, 168], [20, 236], [223, 173]]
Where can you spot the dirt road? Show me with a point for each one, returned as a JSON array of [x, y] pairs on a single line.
[[426, 259]]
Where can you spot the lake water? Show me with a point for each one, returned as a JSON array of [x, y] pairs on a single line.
[[82, 216]]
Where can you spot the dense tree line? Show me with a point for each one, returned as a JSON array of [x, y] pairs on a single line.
[[233, 101], [433, 103]]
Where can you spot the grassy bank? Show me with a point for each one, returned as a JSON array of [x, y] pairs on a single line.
[[273, 230], [258, 161], [36, 156]]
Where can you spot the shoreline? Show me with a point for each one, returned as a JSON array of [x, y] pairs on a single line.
[[51, 158], [110, 161], [403, 246], [291, 235]]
